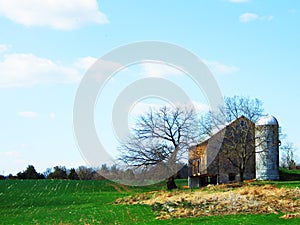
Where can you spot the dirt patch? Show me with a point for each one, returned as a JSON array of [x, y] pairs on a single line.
[[125, 188], [120, 187], [220, 200], [116, 187]]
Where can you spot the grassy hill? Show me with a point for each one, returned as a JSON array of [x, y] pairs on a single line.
[[91, 202], [289, 175]]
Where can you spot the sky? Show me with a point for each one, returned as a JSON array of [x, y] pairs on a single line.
[[252, 48]]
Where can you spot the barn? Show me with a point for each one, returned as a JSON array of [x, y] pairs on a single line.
[[241, 150]]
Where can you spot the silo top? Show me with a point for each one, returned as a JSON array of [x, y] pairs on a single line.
[[267, 120]]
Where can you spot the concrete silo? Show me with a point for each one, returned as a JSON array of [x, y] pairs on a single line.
[[267, 148]]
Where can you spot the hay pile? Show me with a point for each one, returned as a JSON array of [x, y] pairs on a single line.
[[220, 201]]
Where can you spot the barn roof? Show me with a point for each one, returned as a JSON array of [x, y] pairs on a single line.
[[224, 126]]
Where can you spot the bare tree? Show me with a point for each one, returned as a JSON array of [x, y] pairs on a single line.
[[84, 173], [238, 139], [287, 157], [159, 140]]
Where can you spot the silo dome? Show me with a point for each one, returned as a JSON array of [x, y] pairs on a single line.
[[267, 120]]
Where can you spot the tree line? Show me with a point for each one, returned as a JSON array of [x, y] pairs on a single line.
[[82, 173], [61, 172]]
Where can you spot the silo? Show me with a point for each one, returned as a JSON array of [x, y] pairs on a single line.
[[267, 148]]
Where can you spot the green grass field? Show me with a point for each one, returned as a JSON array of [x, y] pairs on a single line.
[[91, 202], [289, 171]]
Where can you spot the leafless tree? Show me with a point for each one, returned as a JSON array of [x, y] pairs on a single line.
[[159, 140], [287, 156], [238, 140], [84, 173]]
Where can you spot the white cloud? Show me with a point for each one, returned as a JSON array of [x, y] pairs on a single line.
[[28, 114], [292, 11], [141, 108], [249, 17], [85, 63], [11, 154], [62, 14], [52, 116], [200, 107], [164, 70], [3, 48], [25, 70], [19, 70], [159, 70], [219, 68], [267, 18], [19, 161], [238, 1]]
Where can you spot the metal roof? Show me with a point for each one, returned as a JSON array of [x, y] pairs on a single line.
[[267, 120]]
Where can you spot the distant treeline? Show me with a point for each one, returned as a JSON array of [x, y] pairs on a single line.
[[82, 173]]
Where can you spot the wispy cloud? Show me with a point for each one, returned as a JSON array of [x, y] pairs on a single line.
[[26, 70], [85, 63], [19, 161], [159, 70], [52, 115], [142, 108], [164, 70], [200, 107], [249, 17], [3, 48], [219, 68], [28, 114], [292, 11], [11, 154], [19, 70], [62, 14]]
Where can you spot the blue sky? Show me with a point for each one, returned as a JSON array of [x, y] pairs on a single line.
[[251, 46]]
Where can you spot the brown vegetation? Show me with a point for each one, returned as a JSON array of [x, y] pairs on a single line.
[[220, 200]]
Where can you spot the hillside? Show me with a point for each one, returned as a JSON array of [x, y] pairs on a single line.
[[92, 202]]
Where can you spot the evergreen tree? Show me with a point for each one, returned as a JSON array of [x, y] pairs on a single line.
[[73, 175], [60, 172], [30, 173]]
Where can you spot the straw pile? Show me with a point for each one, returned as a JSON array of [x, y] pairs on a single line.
[[220, 200]]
